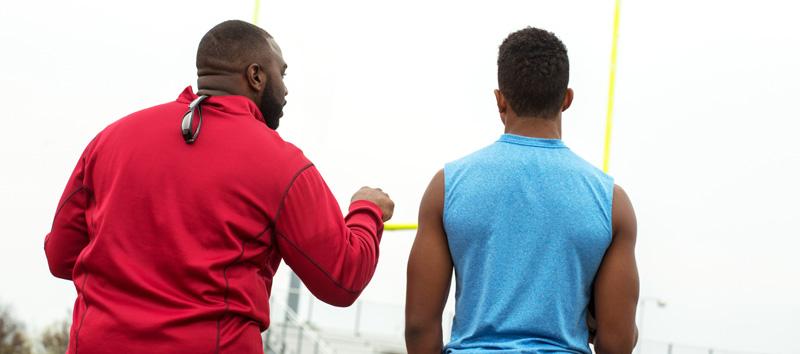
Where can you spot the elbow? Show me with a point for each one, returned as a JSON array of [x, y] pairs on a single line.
[[345, 301], [341, 298], [423, 336], [415, 331], [59, 271], [328, 289], [614, 343], [416, 324]]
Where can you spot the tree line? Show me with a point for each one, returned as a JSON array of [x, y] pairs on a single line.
[[15, 340]]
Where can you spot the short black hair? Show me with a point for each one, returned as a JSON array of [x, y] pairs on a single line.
[[533, 72], [231, 44]]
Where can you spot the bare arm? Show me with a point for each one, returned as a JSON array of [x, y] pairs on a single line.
[[430, 270], [616, 288]]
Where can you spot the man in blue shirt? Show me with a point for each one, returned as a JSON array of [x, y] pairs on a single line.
[[541, 242]]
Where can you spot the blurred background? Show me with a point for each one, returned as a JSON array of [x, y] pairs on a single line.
[[384, 93]]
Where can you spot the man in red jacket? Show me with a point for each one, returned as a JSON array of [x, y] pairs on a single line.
[[172, 237]]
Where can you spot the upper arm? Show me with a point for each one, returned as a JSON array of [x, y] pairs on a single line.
[[616, 289], [429, 266], [335, 257], [69, 234]]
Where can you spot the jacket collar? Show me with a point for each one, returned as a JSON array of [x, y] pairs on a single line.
[[229, 104]]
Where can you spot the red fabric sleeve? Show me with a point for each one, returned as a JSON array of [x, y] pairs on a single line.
[[334, 256], [69, 233]]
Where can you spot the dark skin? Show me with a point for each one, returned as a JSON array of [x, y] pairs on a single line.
[[259, 77], [430, 267]]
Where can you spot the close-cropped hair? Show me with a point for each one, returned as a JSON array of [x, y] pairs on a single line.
[[533, 72]]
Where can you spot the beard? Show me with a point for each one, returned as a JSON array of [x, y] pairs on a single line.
[[271, 108]]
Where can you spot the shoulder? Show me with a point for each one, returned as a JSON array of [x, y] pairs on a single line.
[[592, 170], [132, 125], [139, 122], [478, 155], [270, 155], [621, 200], [159, 112], [623, 215], [433, 200], [601, 183], [476, 158], [286, 153]]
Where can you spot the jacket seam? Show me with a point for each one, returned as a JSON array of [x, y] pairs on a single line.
[[270, 225], [85, 311], [286, 191], [61, 207], [227, 283], [78, 262], [318, 266], [278, 233]]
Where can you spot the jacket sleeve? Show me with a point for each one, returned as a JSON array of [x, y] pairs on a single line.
[[69, 233], [334, 256]]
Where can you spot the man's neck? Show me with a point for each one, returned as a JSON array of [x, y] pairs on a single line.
[[216, 85], [543, 128]]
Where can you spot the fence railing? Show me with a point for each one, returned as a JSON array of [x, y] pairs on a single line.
[[650, 346], [288, 334], [366, 327], [378, 328]]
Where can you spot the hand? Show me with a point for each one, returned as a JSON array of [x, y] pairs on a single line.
[[377, 196]]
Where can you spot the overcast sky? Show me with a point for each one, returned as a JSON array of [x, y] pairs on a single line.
[[383, 94]]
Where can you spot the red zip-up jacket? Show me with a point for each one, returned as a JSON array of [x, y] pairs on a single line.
[[172, 247]]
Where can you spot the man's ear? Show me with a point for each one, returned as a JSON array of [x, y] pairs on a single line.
[[502, 104], [568, 96], [256, 77]]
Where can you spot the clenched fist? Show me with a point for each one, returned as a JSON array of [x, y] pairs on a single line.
[[377, 196]]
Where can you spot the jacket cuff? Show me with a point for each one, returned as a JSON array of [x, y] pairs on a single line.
[[370, 207]]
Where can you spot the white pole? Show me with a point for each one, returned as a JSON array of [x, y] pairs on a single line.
[[642, 307]]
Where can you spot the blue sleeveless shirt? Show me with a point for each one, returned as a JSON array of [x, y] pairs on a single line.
[[527, 223]]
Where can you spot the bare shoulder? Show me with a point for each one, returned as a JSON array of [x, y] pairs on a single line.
[[438, 179], [433, 199], [620, 197], [623, 215]]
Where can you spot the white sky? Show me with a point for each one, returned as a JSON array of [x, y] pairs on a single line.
[[385, 93]]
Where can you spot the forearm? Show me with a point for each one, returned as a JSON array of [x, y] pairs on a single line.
[[335, 256], [358, 254], [61, 256], [365, 229], [336, 273]]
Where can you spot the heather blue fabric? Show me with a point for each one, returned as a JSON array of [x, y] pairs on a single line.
[[527, 223]]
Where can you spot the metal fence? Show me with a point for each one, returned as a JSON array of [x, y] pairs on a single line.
[[377, 328], [288, 334], [365, 327], [647, 346]]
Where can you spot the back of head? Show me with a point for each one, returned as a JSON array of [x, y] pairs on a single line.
[[533, 72], [230, 46]]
